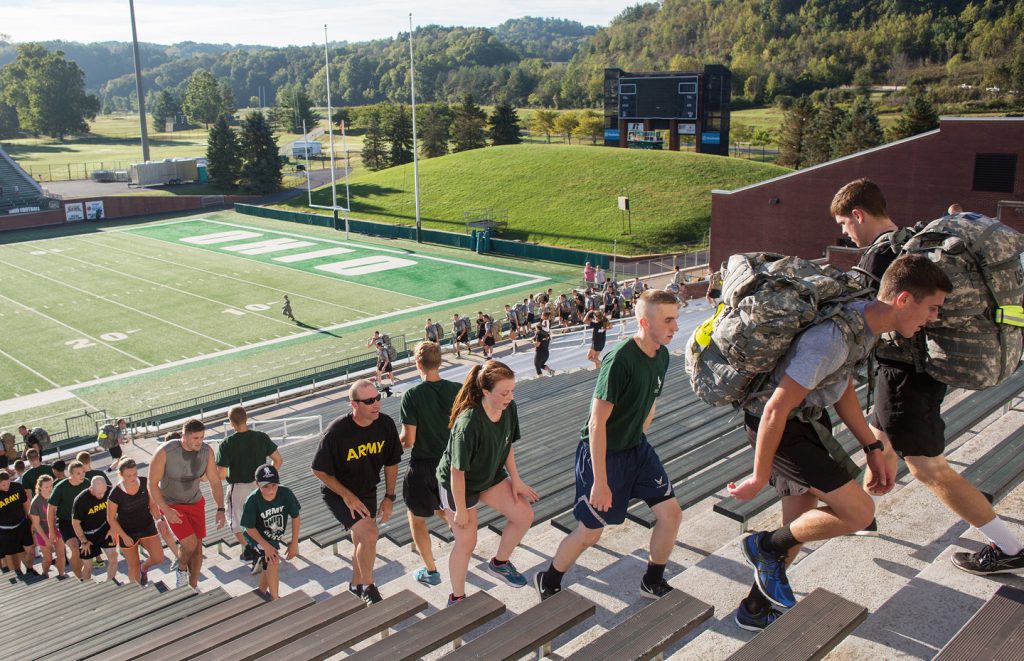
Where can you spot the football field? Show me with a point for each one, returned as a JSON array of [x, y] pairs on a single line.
[[121, 318]]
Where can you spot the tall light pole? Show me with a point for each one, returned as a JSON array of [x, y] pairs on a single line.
[[138, 85], [415, 158]]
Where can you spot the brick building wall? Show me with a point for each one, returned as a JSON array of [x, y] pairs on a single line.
[[920, 176]]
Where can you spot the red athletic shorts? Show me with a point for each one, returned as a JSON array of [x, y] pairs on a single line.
[[193, 519]]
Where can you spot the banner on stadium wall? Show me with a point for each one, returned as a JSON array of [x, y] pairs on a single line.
[[73, 212], [94, 209], [611, 134], [710, 138]]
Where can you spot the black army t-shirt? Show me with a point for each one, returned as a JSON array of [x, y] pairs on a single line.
[[91, 511], [12, 505], [354, 455]]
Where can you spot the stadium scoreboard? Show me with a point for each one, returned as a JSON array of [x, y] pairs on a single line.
[[639, 108]]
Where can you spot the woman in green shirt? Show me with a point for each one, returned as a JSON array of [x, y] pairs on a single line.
[[479, 465]]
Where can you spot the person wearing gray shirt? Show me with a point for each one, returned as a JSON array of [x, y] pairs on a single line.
[[175, 473], [793, 445]]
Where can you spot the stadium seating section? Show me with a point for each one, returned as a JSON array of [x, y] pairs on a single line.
[[19, 189]]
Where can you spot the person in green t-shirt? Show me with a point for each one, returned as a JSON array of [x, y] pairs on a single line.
[[479, 465], [238, 457], [614, 461], [264, 518], [424, 415], [59, 513], [36, 470]]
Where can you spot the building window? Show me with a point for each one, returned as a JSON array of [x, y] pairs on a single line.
[[995, 172]]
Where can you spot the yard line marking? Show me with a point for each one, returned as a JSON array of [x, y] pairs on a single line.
[[104, 298], [180, 291], [316, 254], [224, 275], [168, 364], [42, 376], [82, 333]]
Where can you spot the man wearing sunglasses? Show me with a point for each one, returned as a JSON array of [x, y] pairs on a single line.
[[352, 453]]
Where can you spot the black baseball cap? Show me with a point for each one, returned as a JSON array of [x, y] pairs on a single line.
[[267, 474]]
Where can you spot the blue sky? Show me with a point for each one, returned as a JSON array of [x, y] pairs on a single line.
[[273, 22]]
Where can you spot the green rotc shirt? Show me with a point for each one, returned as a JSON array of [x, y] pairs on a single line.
[[243, 453], [269, 517], [93, 473], [32, 475], [479, 448], [63, 497], [630, 380], [427, 406]]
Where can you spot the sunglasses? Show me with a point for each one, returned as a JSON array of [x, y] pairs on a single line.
[[369, 400]]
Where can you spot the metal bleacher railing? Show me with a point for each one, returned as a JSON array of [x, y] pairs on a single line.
[[82, 429]]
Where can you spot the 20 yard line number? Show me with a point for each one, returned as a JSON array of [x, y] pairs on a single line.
[[113, 336]]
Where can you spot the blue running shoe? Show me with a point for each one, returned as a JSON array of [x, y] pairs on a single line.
[[508, 572], [754, 621], [428, 577], [769, 571]]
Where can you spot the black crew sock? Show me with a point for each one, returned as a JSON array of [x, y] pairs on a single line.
[[779, 541], [756, 602], [553, 578], [655, 574], [498, 563]]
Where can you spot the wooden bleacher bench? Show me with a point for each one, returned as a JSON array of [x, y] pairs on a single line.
[[649, 631], [960, 418], [1001, 469], [278, 633], [132, 601], [996, 631], [435, 631], [357, 626], [175, 630], [533, 629], [228, 630], [808, 631]]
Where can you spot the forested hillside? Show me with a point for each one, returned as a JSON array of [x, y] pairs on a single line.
[[964, 50]]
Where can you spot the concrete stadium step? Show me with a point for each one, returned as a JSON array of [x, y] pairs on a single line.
[[915, 529]]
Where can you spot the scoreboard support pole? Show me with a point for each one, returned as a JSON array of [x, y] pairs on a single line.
[[622, 133], [673, 135]]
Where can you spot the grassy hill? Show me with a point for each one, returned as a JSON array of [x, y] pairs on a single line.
[[558, 195]]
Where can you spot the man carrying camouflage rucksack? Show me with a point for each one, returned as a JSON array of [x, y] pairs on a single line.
[[791, 432], [908, 401]]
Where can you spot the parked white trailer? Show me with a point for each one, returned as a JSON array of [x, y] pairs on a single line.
[[167, 171], [299, 148]]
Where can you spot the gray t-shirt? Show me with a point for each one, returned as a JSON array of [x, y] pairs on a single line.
[[815, 354], [38, 508]]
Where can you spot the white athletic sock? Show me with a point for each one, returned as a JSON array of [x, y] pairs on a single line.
[[1000, 534]]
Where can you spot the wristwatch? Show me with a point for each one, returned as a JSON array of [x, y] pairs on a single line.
[[390, 496], [221, 509], [871, 447]]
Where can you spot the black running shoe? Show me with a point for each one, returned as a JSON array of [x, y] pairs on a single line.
[[989, 560], [259, 565], [248, 554], [871, 530], [656, 591], [357, 590], [755, 621], [370, 595], [543, 592]]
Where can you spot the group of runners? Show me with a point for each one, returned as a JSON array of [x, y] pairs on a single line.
[[462, 440]]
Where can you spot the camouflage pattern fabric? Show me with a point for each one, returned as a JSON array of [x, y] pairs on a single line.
[[966, 347], [767, 300]]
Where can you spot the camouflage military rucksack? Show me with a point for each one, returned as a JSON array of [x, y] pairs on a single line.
[[977, 341], [767, 300]]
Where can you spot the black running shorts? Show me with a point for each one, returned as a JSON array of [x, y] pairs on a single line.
[[116, 452], [908, 408], [801, 462], [14, 540], [341, 512], [419, 488]]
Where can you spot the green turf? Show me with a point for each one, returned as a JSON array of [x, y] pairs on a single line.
[[157, 321], [559, 195]]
